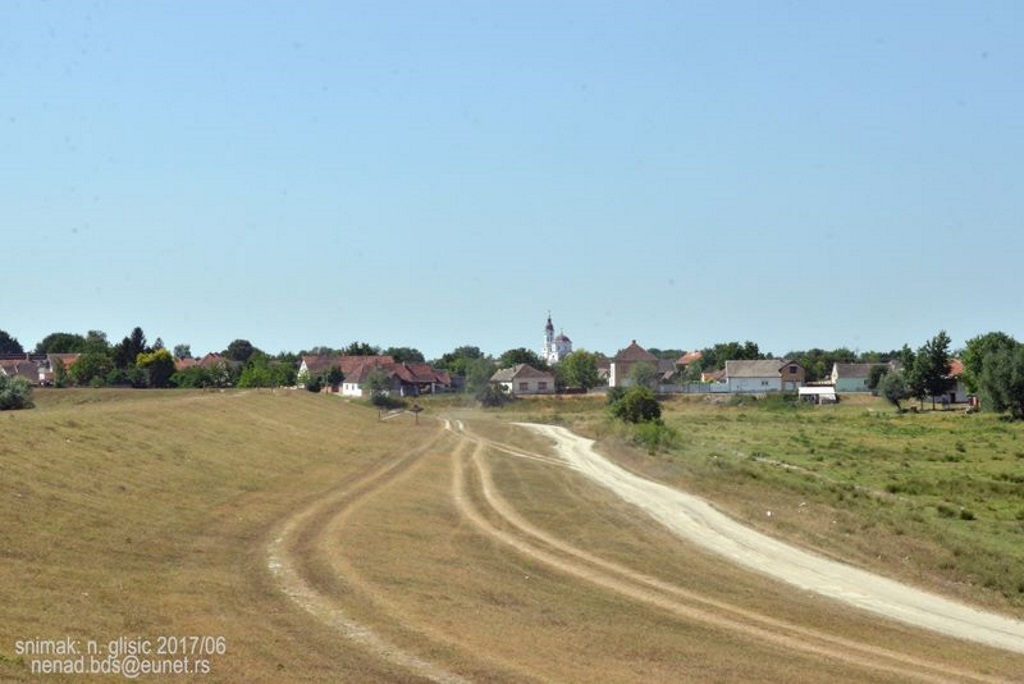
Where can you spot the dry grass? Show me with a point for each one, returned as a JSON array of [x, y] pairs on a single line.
[[146, 513]]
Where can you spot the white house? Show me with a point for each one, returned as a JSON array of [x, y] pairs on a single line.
[[764, 375], [523, 378], [852, 377]]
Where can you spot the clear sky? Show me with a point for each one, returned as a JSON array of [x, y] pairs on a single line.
[[434, 174]]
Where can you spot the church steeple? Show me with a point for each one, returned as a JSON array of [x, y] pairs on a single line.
[[549, 339], [555, 348]]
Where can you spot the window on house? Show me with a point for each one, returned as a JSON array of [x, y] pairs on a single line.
[[542, 385], [524, 386], [792, 370]]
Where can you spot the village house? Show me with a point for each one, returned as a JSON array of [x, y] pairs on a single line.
[[958, 390], [765, 375], [404, 379], [39, 369], [625, 361], [852, 377], [523, 379]]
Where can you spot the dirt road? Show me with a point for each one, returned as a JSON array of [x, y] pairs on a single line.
[[695, 520]]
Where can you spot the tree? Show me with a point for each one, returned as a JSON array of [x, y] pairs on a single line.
[[91, 369], [478, 373], [405, 354], [457, 360], [263, 371], [240, 350], [256, 372], [183, 351], [893, 387], [973, 356], [312, 383], [644, 374], [714, 358], [817, 363], [127, 351], [61, 343], [60, 373], [9, 345], [15, 393], [693, 373], [1002, 380], [580, 369], [493, 394], [875, 376], [157, 367], [378, 383], [333, 376], [637, 405], [931, 366], [361, 349], [96, 341], [519, 355], [194, 377]]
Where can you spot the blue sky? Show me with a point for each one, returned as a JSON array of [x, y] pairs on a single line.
[[799, 174]]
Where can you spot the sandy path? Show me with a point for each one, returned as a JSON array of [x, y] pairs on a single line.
[[694, 520]]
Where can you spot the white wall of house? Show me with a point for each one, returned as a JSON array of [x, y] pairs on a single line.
[[851, 385], [755, 385], [351, 389], [618, 374], [531, 385]]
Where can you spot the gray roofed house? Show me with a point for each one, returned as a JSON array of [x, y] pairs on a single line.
[[763, 375], [852, 377], [523, 378]]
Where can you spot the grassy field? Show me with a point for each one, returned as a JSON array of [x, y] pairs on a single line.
[[934, 498], [295, 525], [143, 514]]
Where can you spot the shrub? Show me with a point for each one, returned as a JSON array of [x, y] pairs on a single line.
[[638, 405], [655, 435], [614, 395], [15, 393], [493, 395]]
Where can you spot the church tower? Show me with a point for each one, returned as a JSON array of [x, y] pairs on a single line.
[[555, 348], [549, 340]]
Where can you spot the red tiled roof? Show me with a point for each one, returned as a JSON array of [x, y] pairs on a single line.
[[634, 352], [690, 357]]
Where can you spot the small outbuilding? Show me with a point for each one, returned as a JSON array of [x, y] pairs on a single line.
[[818, 394]]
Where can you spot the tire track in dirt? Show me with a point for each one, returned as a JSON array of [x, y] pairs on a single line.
[[290, 552], [689, 605]]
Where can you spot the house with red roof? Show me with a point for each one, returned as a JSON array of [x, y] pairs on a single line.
[[405, 379], [624, 362]]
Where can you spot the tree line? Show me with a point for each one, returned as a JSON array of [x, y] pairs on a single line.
[[993, 365]]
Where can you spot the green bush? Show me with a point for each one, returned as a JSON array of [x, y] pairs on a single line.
[[655, 436], [637, 405], [493, 394], [15, 393]]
